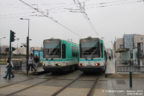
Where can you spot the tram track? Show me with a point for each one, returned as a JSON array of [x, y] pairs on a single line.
[[31, 86], [63, 88], [8, 85], [26, 88], [16, 83], [90, 93]]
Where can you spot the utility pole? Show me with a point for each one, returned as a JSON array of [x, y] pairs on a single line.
[[12, 39], [27, 47]]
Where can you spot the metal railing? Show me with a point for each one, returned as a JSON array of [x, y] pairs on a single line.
[[128, 67]]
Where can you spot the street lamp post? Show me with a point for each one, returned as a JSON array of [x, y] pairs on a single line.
[[27, 49]]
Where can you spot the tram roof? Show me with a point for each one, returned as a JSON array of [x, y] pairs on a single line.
[[90, 38], [51, 39]]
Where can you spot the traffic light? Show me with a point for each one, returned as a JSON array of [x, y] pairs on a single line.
[[12, 36]]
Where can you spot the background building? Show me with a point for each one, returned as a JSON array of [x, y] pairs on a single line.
[[138, 39], [20, 51], [119, 44], [129, 42]]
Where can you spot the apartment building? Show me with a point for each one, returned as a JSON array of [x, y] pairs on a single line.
[[129, 41]]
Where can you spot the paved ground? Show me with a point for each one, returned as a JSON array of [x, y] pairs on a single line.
[[110, 66], [72, 84]]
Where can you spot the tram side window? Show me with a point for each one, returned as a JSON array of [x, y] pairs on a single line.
[[101, 50], [63, 51], [45, 51], [74, 52], [105, 53]]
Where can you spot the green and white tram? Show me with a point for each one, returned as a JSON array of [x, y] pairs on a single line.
[[92, 55], [60, 55]]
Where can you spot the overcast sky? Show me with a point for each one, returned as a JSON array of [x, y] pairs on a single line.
[[108, 19]]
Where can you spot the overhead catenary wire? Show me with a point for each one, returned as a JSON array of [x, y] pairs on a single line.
[[113, 3], [82, 10], [102, 4], [45, 15], [57, 9], [119, 3]]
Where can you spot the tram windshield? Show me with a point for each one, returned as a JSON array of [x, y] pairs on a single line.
[[52, 49], [90, 49]]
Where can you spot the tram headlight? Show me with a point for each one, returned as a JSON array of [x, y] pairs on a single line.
[[43, 64], [81, 64], [97, 64], [58, 64]]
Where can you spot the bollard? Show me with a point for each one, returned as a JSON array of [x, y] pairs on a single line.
[[130, 79]]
